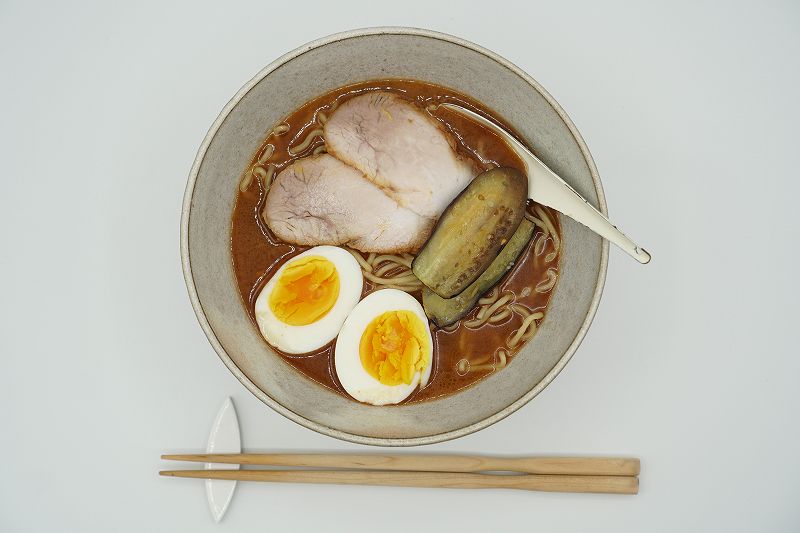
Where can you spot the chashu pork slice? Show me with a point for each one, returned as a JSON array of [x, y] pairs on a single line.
[[401, 149], [320, 200]]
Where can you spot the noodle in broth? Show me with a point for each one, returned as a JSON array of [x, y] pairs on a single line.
[[482, 342]]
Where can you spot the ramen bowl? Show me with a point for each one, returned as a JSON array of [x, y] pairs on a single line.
[[315, 69]]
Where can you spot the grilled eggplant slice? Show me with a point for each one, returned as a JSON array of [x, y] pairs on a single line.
[[472, 230], [446, 311]]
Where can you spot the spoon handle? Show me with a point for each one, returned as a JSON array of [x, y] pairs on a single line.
[[547, 188]]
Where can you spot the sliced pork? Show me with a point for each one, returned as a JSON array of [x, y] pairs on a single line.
[[321, 200], [401, 149]]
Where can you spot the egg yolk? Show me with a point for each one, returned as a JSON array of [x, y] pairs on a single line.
[[307, 289], [394, 347]]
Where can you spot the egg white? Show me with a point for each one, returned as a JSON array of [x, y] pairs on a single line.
[[303, 339], [351, 373]]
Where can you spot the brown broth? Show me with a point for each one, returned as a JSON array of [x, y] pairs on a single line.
[[256, 253]]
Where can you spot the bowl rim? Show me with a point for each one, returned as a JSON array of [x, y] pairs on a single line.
[[264, 397]]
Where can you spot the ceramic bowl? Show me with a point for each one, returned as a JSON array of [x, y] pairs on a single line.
[[317, 68]]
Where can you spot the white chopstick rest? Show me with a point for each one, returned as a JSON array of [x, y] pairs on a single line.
[[224, 438]]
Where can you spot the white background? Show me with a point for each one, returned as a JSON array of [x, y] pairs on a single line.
[[690, 110]]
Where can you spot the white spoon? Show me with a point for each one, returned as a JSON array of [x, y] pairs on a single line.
[[547, 188]]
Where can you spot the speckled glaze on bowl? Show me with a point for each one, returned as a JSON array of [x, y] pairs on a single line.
[[319, 67]]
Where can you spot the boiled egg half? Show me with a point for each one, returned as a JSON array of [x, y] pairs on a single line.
[[303, 306], [384, 349]]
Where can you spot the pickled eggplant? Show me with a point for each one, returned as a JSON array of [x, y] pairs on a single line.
[[472, 230], [446, 311]]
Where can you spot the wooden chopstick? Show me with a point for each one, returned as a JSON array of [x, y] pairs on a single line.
[[456, 480], [574, 466]]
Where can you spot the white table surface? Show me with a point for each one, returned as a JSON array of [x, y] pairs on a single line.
[[690, 110]]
